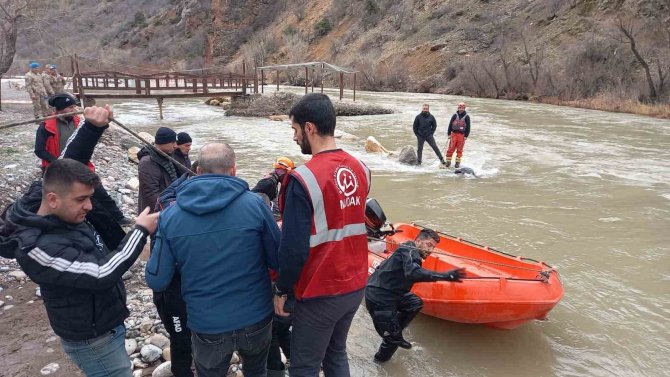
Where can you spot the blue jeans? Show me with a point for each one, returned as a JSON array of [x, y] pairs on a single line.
[[212, 352], [104, 356]]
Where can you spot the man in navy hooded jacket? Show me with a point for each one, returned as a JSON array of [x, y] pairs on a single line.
[[222, 239]]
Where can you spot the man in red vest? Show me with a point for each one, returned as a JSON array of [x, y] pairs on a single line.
[[459, 130], [323, 250], [52, 135]]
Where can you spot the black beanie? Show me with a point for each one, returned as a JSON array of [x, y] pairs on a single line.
[[62, 101], [183, 138], [165, 135]]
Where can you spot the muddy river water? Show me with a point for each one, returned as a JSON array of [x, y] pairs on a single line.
[[586, 191]]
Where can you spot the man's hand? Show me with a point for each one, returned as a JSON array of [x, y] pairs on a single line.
[[98, 116], [454, 275], [146, 220], [279, 302]]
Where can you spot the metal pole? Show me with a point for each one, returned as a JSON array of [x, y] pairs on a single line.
[[341, 86], [160, 107], [38, 120], [277, 80], [322, 76], [262, 82], [306, 78], [354, 86], [0, 92]]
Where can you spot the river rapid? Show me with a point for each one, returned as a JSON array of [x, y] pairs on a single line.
[[586, 191]]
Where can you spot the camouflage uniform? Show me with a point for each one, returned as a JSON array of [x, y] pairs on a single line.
[[46, 79], [38, 93], [58, 83]]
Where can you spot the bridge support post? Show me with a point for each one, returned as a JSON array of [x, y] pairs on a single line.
[[160, 107], [306, 78], [354, 86], [341, 85]]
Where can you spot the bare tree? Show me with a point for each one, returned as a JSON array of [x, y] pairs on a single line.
[[533, 59], [11, 12], [491, 69], [629, 35]]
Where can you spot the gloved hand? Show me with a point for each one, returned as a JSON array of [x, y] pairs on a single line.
[[454, 275]]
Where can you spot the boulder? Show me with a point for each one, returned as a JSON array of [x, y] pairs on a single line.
[[129, 141], [150, 353], [214, 102], [166, 354], [225, 106], [159, 340], [146, 136], [18, 275], [133, 184], [407, 155], [132, 154], [163, 370], [339, 134], [131, 346], [278, 118], [374, 146]]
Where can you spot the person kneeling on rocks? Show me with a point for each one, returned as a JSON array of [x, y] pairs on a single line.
[[387, 294]]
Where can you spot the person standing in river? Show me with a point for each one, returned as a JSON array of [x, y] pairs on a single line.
[[424, 128], [459, 130]]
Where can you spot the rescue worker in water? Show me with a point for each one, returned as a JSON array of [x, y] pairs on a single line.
[[387, 294]]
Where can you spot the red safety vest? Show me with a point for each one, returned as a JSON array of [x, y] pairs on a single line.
[[458, 125], [337, 185], [53, 142]]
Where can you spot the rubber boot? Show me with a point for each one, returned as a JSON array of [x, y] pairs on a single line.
[[448, 162], [386, 351], [458, 163]]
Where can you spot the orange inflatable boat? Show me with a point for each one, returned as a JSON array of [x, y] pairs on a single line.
[[500, 290]]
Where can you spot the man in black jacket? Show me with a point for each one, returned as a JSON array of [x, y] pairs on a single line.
[[387, 294], [80, 278], [424, 128]]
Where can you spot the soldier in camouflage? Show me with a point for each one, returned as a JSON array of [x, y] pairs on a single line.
[[57, 81], [36, 90]]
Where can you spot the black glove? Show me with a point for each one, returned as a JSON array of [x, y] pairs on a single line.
[[454, 275]]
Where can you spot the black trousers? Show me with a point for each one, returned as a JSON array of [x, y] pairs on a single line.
[[172, 311], [390, 321], [431, 141]]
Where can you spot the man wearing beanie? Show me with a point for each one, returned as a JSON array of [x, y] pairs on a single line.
[[181, 153], [156, 173], [36, 90]]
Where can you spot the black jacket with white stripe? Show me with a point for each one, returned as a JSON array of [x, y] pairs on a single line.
[[80, 278]]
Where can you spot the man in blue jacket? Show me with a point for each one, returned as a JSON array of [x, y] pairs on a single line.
[[222, 239]]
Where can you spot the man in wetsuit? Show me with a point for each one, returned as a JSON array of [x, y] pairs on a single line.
[[387, 294]]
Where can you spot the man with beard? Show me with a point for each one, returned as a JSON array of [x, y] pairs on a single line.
[[387, 294], [323, 255], [424, 128], [459, 130]]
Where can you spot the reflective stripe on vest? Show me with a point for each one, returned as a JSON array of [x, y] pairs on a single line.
[[322, 233]]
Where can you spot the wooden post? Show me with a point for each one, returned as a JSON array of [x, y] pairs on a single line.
[[354, 86], [77, 78], [277, 80], [306, 78], [138, 85], [255, 79], [160, 107], [262, 81], [341, 85], [195, 85], [244, 77], [147, 84], [0, 92], [313, 76], [204, 85], [322, 76]]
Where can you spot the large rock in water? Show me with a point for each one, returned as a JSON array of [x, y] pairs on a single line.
[[407, 155], [374, 146]]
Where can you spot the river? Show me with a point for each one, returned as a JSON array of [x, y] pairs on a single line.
[[586, 191]]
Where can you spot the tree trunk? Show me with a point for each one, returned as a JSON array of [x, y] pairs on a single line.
[[628, 32]]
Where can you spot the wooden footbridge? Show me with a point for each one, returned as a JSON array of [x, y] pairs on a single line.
[[91, 85]]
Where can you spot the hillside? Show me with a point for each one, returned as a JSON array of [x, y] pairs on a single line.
[[563, 49]]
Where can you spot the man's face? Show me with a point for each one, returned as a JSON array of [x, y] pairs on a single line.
[[167, 148], [300, 137], [461, 108], [425, 108], [425, 247], [185, 148], [72, 205]]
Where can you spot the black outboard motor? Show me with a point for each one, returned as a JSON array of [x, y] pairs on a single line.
[[375, 219]]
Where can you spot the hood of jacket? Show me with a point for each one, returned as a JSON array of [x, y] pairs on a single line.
[[22, 214], [210, 192]]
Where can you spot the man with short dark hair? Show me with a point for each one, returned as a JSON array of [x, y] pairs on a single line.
[[387, 294], [80, 278], [323, 252], [424, 128], [221, 239], [154, 170]]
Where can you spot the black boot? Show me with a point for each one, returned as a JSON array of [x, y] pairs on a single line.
[[386, 351], [398, 340]]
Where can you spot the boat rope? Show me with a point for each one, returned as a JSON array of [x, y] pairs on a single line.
[[112, 120], [542, 274]]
